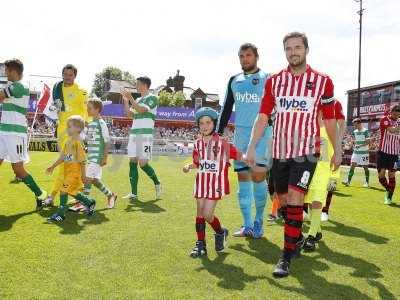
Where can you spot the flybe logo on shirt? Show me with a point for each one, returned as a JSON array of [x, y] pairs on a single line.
[[247, 97], [295, 104], [208, 166]]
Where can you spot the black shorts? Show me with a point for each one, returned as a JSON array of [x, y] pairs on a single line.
[[386, 161], [295, 173]]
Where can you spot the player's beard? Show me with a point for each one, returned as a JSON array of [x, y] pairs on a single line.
[[298, 63], [249, 68]]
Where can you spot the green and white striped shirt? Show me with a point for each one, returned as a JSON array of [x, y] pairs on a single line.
[[361, 137], [97, 137], [144, 123], [15, 106]]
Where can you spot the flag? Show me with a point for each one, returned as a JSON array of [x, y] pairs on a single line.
[[46, 105]]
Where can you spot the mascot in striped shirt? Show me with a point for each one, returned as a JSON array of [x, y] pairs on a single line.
[[211, 157]]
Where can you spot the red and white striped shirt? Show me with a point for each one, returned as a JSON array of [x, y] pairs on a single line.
[[297, 101], [390, 142], [212, 161]]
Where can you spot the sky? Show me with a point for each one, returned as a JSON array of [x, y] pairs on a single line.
[[200, 38]]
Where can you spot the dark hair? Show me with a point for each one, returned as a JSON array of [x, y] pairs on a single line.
[[97, 103], [15, 64], [70, 67], [356, 120], [296, 34], [146, 80], [250, 46]]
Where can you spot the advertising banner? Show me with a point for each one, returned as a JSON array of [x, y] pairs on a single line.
[[42, 145]]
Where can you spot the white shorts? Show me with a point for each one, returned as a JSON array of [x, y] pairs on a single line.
[[14, 148], [140, 146], [93, 170], [360, 159]]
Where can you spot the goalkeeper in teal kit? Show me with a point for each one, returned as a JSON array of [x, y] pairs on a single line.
[[245, 91]]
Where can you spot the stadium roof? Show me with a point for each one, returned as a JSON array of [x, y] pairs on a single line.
[[377, 86], [212, 97]]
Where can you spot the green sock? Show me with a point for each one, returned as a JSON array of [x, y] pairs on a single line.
[[151, 173], [85, 200], [32, 185], [351, 173], [133, 176], [315, 221], [87, 188], [103, 188], [366, 175], [63, 205]]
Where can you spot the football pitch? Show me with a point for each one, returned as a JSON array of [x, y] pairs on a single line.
[[141, 251]]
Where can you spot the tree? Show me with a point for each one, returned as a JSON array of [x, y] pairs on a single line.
[[165, 98], [128, 77], [107, 73], [179, 99], [171, 99]]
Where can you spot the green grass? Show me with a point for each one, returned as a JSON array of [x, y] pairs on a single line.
[[142, 251]]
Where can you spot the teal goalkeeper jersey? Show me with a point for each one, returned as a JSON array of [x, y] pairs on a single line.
[[245, 92]]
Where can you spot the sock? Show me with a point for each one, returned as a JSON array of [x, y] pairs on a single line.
[[216, 225], [31, 184], [151, 173], [283, 212], [293, 224], [245, 198], [391, 186], [275, 206], [315, 219], [87, 188], [366, 175], [260, 193], [384, 182], [133, 176], [85, 200], [103, 188], [63, 205], [200, 228], [328, 202], [351, 173]]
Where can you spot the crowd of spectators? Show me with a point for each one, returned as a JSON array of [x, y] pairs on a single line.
[[176, 133], [164, 133], [41, 128], [47, 129], [348, 141], [118, 131]]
